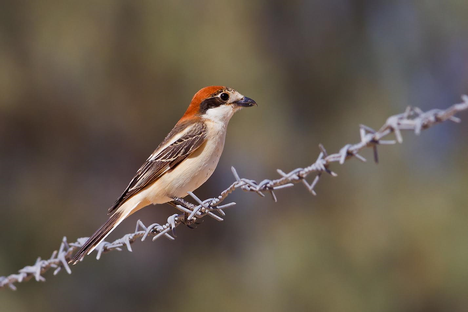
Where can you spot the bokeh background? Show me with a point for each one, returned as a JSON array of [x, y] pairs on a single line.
[[89, 88]]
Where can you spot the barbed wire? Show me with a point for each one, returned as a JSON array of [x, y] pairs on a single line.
[[413, 119]]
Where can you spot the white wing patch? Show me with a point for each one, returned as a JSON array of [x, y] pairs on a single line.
[[156, 153]]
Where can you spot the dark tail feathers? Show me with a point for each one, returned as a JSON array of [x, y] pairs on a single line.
[[97, 237]]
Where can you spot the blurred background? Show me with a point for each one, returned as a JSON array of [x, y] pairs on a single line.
[[89, 88]]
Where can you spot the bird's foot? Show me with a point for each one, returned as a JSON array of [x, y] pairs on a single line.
[[190, 223], [184, 218], [182, 202]]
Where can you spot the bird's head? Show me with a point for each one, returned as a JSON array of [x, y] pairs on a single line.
[[217, 103]]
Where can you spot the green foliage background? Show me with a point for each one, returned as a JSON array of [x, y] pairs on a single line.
[[89, 88]]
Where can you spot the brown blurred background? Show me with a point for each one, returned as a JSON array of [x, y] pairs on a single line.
[[89, 88]]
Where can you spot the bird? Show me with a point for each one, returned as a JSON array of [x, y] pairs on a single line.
[[181, 163]]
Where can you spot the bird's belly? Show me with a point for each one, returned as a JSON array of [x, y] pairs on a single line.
[[190, 174]]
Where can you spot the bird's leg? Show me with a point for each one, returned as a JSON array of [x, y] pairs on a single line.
[[182, 202], [184, 217]]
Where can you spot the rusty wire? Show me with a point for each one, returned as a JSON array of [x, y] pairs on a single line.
[[413, 119]]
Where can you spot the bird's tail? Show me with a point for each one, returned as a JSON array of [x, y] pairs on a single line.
[[115, 219]]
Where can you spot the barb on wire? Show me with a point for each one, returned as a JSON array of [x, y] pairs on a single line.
[[413, 119]]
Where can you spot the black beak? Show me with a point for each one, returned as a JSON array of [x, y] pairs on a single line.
[[245, 102]]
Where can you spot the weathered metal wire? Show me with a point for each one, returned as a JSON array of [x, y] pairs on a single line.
[[413, 119]]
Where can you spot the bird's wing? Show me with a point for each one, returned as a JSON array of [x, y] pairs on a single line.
[[178, 145]]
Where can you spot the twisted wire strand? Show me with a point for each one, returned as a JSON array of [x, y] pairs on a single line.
[[413, 119]]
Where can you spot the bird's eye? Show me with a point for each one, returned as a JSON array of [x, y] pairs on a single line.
[[224, 96]]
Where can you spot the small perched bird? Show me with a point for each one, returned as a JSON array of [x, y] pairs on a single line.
[[184, 160]]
